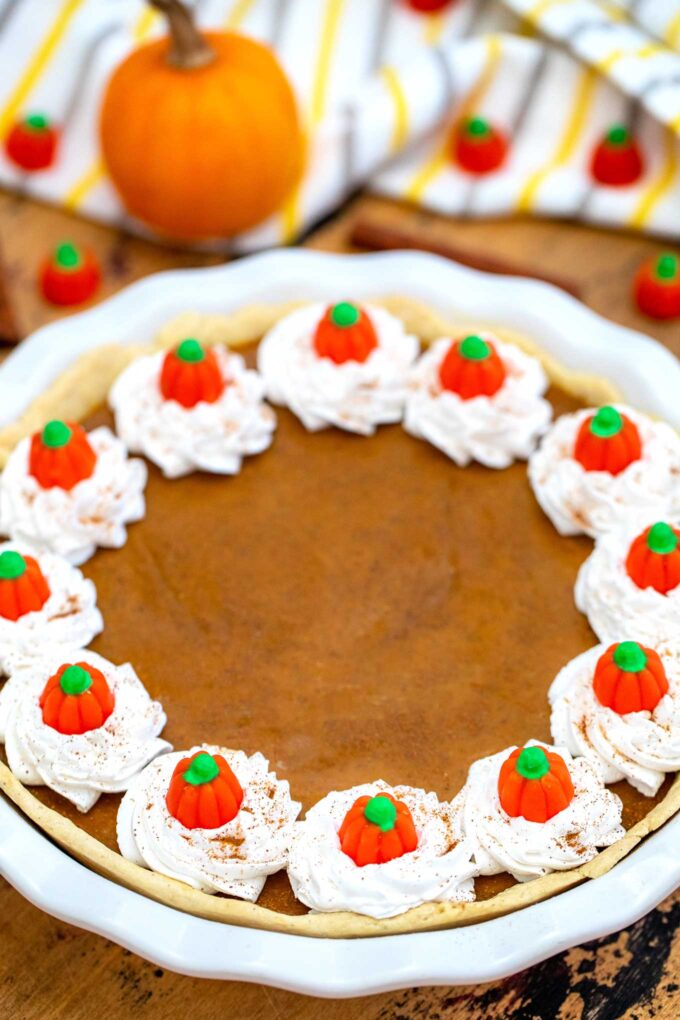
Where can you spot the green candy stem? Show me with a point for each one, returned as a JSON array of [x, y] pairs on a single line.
[[662, 539], [474, 348], [56, 434], [203, 769], [532, 763], [67, 256], [630, 657], [190, 350], [37, 122], [12, 565], [667, 267], [618, 135], [344, 315], [606, 423], [382, 812], [75, 680], [477, 128]]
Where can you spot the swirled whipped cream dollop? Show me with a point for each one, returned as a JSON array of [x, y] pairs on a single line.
[[640, 747], [579, 501], [69, 618], [526, 849], [74, 522], [355, 396], [493, 430], [79, 766], [612, 601], [212, 437], [235, 858], [325, 878]]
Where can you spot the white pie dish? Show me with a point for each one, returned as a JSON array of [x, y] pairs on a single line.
[[646, 374]]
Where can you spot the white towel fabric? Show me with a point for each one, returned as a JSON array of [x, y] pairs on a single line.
[[380, 87]]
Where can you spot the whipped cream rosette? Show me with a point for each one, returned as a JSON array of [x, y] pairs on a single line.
[[341, 365], [478, 398], [533, 810], [630, 583], [595, 468], [213, 818], [193, 408], [380, 850], [45, 603], [80, 726], [67, 491], [619, 707]]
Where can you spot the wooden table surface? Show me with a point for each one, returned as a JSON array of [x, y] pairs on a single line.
[[50, 971]]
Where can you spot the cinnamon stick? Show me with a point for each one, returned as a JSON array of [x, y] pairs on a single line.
[[377, 236]]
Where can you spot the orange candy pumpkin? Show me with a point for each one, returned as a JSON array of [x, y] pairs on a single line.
[[76, 699], [630, 678], [345, 333], [23, 586], [191, 374], [472, 368], [61, 456], [653, 559], [607, 441], [204, 793], [377, 829], [200, 133], [535, 784]]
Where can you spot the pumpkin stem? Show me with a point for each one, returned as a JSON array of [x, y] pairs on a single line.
[[189, 49]]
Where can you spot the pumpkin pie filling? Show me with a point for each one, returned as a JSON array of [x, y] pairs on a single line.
[[354, 609]]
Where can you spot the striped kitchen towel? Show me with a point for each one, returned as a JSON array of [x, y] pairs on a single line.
[[380, 86]]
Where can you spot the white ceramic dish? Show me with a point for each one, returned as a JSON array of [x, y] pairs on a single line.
[[648, 376]]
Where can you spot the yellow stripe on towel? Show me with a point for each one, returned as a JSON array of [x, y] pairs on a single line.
[[237, 14], [398, 96], [658, 188]]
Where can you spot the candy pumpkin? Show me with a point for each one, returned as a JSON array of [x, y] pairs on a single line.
[[61, 456], [377, 829], [23, 586], [200, 132], [656, 287], [345, 333], [32, 143], [607, 441], [204, 793], [191, 374], [630, 678], [616, 159], [535, 784], [69, 276], [653, 560], [472, 368], [76, 699], [479, 147]]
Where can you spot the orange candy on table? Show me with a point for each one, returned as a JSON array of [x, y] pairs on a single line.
[[630, 678], [23, 586], [478, 147], [377, 829], [69, 276], [616, 160], [656, 287], [535, 784], [607, 441], [472, 368], [191, 375], [32, 143], [204, 793], [61, 456], [345, 333], [76, 699], [653, 559]]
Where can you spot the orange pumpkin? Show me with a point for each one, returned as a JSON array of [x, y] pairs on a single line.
[[630, 678], [653, 559], [607, 441], [472, 368], [23, 587], [345, 333], [535, 784], [200, 133], [61, 456], [191, 374], [204, 793], [377, 829], [76, 699]]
